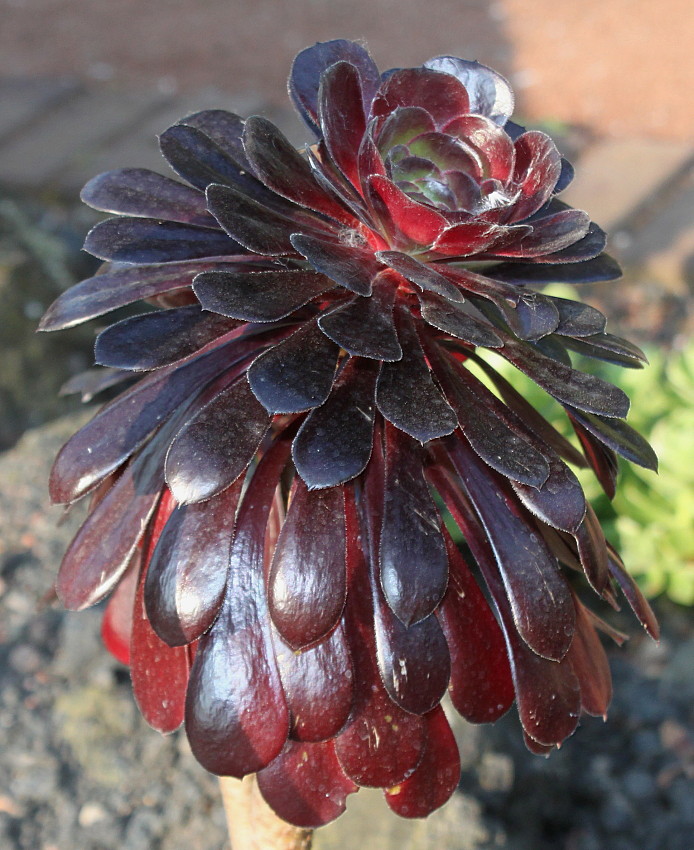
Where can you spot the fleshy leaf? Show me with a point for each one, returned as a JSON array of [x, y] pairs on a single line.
[[586, 392], [149, 240], [436, 776], [364, 326], [481, 688], [263, 296], [406, 394], [105, 292], [318, 682], [153, 340], [334, 443], [489, 93], [382, 744], [443, 96], [538, 593], [282, 168], [413, 562], [305, 784], [297, 373], [121, 427], [307, 581], [237, 718], [619, 437], [159, 672], [141, 192], [187, 573], [457, 322], [425, 277], [341, 115], [350, 266], [215, 446], [309, 65]]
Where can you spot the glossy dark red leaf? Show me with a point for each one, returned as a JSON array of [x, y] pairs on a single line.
[[297, 373], [601, 268], [334, 443], [592, 551], [619, 437], [223, 127], [577, 319], [237, 718], [341, 116], [489, 93], [551, 233], [141, 192], [104, 292], [596, 270], [590, 665], [586, 392], [442, 95], [307, 581], [538, 593], [537, 169], [216, 445], [148, 240], [201, 158], [187, 572], [101, 551], [533, 317], [560, 501], [117, 622], [633, 594], [413, 561], [609, 349], [602, 460], [319, 685], [305, 784], [418, 222], [153, 340], [261, 296], [349, 265], [547, 692], [481, 688], [537, 423], [455, 320], [493, 145], [309, 65], [282, 168], [469, 237], [424, 276], [121, 427], [587, 248], [496, 435], [253, 225], [364, 327], [159, 672], [436, 776], [413, 660], [406, 393], [382, 744]]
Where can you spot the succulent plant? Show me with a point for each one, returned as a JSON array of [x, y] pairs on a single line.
[[267, 499]]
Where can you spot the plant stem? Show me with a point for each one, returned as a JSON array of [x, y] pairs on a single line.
[[252, 823]]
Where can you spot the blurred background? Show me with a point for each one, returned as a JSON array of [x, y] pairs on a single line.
[[85, 86]]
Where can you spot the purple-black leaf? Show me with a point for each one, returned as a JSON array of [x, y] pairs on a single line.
[[296, 374]]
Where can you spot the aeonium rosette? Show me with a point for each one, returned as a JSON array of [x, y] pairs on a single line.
[[311, 391]]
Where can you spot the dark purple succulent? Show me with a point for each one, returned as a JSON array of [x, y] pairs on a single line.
[[267, 498]]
